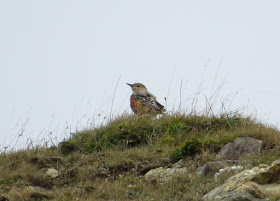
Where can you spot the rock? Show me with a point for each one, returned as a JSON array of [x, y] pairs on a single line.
[[179, 164], [258, 183], [240, 147], [53, 173], [29, 193], [237, 196], [165, 174], [210, 168], [235, 169]]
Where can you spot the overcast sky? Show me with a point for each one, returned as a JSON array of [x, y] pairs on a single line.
[[62, 61]]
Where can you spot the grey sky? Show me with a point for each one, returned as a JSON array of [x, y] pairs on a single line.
[[60, 60]]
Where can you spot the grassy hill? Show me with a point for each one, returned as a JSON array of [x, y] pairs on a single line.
[[108, 162]]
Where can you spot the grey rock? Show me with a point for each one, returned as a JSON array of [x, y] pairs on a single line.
[[165, 174], [240, 147], [235, 169], [262, 183], [210, 168], [237, 196], [179, 164]]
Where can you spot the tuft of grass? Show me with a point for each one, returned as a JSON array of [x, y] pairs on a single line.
[[191, 147], [131, 131]]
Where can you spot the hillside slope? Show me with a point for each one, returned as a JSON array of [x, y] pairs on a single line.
[[108, 162]]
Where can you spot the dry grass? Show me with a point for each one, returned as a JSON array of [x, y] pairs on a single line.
[[108, 163]]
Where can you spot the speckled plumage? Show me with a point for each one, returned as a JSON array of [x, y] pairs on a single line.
[[142, 101]]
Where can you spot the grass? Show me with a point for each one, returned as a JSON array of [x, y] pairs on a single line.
[[108, 162]]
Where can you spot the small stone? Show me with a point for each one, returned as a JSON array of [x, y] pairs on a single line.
[[53, 173], [165, 174]]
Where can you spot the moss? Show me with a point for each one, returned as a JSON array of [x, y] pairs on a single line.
[[191, 147], [67, 147], [166, 140], [176, 126]]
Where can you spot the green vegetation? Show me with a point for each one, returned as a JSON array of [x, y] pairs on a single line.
[[109, 162], [129, 131]]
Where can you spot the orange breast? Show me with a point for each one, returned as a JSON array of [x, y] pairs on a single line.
[[139, 107]]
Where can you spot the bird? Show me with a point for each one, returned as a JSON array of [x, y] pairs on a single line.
[[144, 102]]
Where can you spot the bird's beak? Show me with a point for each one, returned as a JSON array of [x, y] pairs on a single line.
[[129, 84]]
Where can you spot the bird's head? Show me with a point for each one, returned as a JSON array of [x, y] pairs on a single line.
[[138, 87]]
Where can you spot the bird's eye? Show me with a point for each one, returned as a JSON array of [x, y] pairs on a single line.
[[137, 85]]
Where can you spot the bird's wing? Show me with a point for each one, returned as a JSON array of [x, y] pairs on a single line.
[[149, 100]]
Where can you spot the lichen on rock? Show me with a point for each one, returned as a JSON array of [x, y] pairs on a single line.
[[258, 183]]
